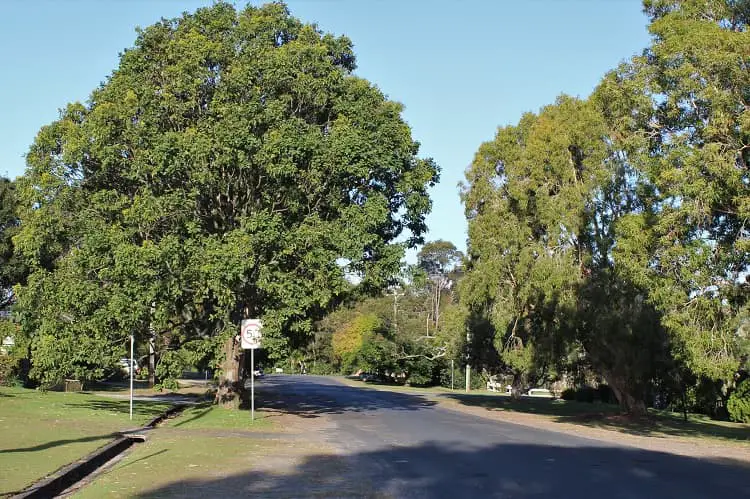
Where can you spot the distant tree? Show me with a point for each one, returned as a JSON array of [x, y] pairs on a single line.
[[224, 170], [441, 263]]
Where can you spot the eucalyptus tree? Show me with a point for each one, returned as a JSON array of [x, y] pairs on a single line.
[[224, 170], [543, 199], [681, 114]]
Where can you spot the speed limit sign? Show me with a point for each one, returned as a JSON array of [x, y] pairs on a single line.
[[250, 333]]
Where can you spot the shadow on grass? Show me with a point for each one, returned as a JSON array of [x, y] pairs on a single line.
[[608, 416], [115, 386], [200, 411], [6, 395], [140, 407], [450, 469], [307, 397], [57, 443], [153, 454]]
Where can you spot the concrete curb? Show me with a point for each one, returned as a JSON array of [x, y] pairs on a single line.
[[78, 470]]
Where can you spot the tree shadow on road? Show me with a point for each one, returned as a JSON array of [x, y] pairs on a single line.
[[450, 470], [329, 399]]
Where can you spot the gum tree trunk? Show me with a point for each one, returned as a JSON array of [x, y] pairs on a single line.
[[630, 403]]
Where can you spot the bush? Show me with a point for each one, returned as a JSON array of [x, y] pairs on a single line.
[[568, 394], [586, 394], [478, 381], [580, 394], [322, 368], [739, 403], [6, 369], [605, 394]]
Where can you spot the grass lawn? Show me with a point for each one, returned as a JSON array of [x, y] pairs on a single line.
[[203, 443], [598, 415], [208, 416], [41, 432]]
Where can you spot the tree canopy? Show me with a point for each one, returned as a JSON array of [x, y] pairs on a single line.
[[224, 170], [618, 224]]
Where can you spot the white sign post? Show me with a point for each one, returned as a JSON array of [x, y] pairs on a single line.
[[250, 337], [132, 341]]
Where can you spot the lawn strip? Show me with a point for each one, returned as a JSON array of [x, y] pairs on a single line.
[[206, 448], [42, 432]]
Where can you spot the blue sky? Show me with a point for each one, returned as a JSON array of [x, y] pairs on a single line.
[[461, 68]]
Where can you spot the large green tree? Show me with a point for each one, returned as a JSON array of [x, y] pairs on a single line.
[[225, 169], [680, 113], [543, 200]]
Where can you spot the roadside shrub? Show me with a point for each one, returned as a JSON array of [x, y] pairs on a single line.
[[739, 403], [322, 368], [605, 394], [568, 394], [580, 394], [478, 381], [6, 369]]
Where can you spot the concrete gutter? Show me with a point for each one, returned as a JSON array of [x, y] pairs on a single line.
[[69, 475]]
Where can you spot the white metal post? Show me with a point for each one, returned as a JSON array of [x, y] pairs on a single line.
[[132, 341], [468, 359], [252, 384], [451, 374]]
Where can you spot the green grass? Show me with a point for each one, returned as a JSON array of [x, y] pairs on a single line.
[[173, 456], [42, 432], [203, 443], [208, 416]]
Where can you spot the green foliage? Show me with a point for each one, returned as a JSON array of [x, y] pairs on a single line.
[[222, 171], [617, 225], [542, 201], [170, 366], [681, 117], [12, 268], [478, 381], [569, 394], [739, 403], [439, 257], [348, 342]]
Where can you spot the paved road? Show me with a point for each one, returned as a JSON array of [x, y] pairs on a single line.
[[376, 444], [402, 445]]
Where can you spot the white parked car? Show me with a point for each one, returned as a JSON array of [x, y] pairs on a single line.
[[124, 364]]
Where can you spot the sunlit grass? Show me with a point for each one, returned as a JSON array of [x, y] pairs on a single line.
[[42, 431]]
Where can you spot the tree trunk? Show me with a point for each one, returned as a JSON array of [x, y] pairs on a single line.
[[516, 386], [630, 403], [231, 392]]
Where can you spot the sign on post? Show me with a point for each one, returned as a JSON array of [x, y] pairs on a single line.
[[250, 340], [250, 333]]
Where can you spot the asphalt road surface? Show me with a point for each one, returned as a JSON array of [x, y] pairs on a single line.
[[394, 445], [407, 447]]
